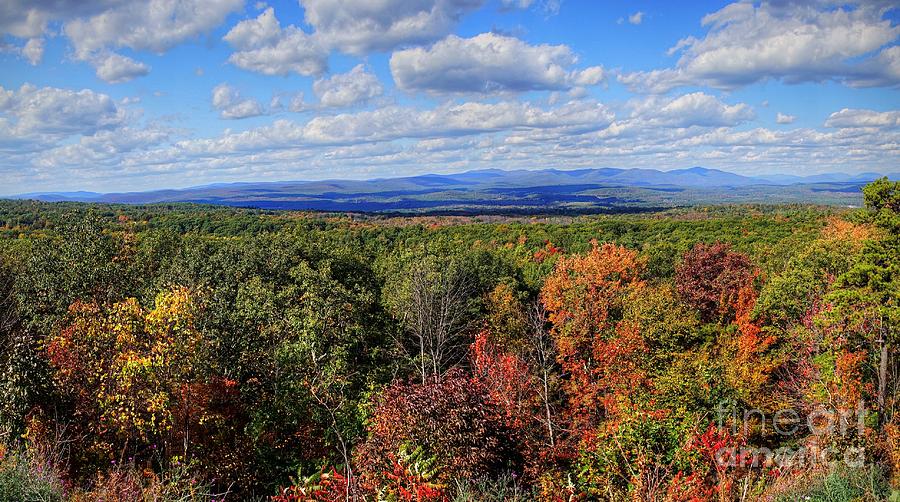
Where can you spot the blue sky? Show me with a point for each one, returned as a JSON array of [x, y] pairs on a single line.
[[115, 95]]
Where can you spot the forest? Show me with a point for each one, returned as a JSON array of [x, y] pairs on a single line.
[[198, 353]]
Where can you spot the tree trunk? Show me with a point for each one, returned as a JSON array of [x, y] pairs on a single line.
[[882, 380]]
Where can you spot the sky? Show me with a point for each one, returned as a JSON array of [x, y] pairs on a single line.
[[117, 95]]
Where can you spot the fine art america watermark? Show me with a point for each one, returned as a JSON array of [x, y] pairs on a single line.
[[821, 422]]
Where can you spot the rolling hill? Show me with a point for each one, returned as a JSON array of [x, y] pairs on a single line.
[[603, 189]]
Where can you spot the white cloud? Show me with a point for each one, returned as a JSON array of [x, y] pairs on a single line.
[[517, 4], [397, 122], [296, 103], [263, 31], [853, 118], [96, 27], [346, 89], [694, 109], [115, 68], [453, 137], [362, 26], [232, 105], [880, 71], [34, 50], [57, 112], [636, 18], [791, 41], [155, 25], [489, 63], [102, 148], [782, 118], [264, 47], [29, 18]]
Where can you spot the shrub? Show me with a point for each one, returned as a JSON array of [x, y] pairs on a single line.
[[177, 484], [26, 476], [450, 419], [840, 484]]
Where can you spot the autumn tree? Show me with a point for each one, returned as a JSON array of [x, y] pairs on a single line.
[[452, 419], [600, 355], [128, 370], [710, 277], [864, 301]]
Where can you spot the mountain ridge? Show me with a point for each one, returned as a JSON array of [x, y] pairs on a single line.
[[495, 187]]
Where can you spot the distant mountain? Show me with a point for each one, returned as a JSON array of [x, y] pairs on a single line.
[[787, 179], [551, 189], [60, 196]]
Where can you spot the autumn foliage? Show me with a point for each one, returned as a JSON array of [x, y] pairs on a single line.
[[190, 355], [453, 419], [710, 278]]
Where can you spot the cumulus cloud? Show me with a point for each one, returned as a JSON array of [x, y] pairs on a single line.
[[636, 18], [848, 118], [29, 18], [694, 109], [489, 63], [362, 26], [31, 110], [155, 25], [96, 27], [791, 41], [262, 46], [102, 147], [783, 118], [231, 105], [397, 122], [519, 4], [454, 137], [880, 71], [346, 89], [115, 68], [34, 50]]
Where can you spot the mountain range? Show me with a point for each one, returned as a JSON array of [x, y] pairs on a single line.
[[495, 189]]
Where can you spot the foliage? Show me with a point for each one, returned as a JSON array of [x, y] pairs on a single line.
[[25, 476], [451, 418], [173, 352], [585, 297], [710, 277], [840, 484]]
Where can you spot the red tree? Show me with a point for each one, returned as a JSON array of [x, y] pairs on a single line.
[[452, 420], [710, 278]]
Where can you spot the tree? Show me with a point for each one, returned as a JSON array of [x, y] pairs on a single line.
[[542, 355], [20, 368], [710, 278], [452, 419], [434, 313], [865, 300], [585, 298], [125, 370]]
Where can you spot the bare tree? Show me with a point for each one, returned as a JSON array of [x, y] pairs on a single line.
[[330, 393], [543, 358], [7, 303], [435, 317]]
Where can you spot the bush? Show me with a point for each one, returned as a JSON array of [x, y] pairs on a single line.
[[26, 477], [450, 420], [840, 484], [178, 484]]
